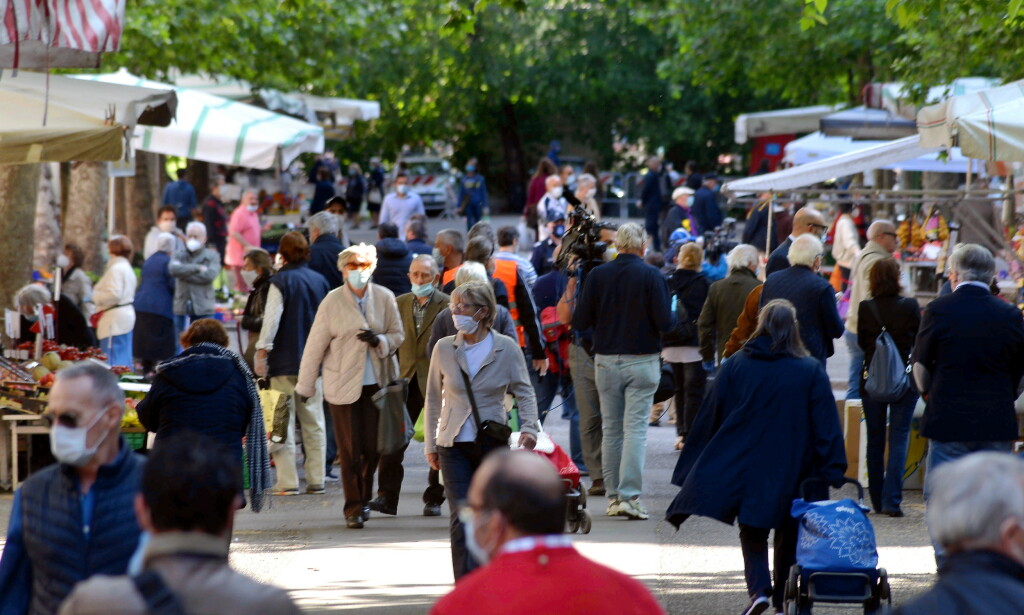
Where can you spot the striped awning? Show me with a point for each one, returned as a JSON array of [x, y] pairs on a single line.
[[988, 124], [44, 34]]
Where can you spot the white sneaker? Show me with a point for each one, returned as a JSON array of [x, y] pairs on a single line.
[[758, 605], [633, 509], [614, 508]]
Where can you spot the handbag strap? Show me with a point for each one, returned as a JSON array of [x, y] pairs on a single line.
[[472, 399], [878, 315], [160, 600]]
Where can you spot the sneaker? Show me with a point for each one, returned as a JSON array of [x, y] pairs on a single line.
[[633, 509], [315, 489], [286, 492], [330, 476], [757, 606], [614, 507]]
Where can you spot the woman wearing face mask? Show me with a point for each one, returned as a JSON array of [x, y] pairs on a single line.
[[75, 284], [472, 369], [586, 196], [154, 339], [113, 296], [256, 272], [166, 222], [354, 339]]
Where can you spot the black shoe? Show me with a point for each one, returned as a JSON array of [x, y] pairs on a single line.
[[354, 523], [366, 513], [432, 510], [379, 505], [893, 513]]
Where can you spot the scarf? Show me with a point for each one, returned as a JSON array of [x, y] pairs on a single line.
[[257, 457]]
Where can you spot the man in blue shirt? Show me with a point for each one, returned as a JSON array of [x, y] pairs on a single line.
[[75, 518], [473, 194], [181, 195], [705, 211], [626, 305]]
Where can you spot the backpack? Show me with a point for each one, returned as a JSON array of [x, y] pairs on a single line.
[[888, 378], [556, 340], [684, 331]]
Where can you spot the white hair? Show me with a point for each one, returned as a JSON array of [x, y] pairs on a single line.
[[31, 295], [427, 260], [470, 271], [742, 256], [551, 179], [165, 242], [805, 249], [971, 497], [363, 251], [325, 222], [973, 263], [630, 238], [585, 179], [195, 225]]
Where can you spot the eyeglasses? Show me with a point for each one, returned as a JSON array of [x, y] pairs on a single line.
[[467, 513], [460, 308], [893, 235], [818, 226], [350, 266], [66, 419]]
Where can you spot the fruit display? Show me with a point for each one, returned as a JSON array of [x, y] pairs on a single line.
[[130, 420]]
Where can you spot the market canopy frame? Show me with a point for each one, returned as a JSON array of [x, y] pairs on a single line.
[[988, 124]]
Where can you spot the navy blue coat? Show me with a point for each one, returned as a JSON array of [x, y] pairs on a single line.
[[972, 344], [705, 211], [418, 246], [769, 423], [155, 294], [393, 260], [323, 259], [200, 392], [815, 303], [972, 583], [779, 258]]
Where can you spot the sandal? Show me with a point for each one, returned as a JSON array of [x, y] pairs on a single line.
[[679, 443]]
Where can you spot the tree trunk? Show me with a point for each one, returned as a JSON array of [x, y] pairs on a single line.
[[86, 221], [141, 198], [199, 174], [515, 162], [19, 186], [48, 243]]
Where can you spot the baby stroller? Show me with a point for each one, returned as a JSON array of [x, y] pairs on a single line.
[[577, 519], [837, 560]]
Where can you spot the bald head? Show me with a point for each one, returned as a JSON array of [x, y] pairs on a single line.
[[525, 488], [808, 220], [883, 232]]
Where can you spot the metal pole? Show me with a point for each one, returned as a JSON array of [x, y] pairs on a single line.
[[110, 207], [771, 214]]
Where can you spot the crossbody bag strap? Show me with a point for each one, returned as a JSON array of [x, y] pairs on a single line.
[[472, 399], [160, 600], [878, 315]]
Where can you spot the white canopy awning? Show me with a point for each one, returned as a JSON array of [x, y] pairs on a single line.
[[222, 131], [44, 34], [781, 122], [816, 146], [875, 157], [868, 124], [987, 124]]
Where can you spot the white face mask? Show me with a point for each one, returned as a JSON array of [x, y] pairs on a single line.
[[610, 253], [252, 207], [68, 444], [358, 278], [465, 323], [478, 552], [401, 189], [250, 276], [166, 226], [63, 261], [193, 245]]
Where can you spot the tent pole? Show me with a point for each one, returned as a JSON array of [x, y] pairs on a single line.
[[771, 214], [970, 169], [111, 223]]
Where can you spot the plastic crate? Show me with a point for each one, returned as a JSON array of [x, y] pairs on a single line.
[[135, 440]]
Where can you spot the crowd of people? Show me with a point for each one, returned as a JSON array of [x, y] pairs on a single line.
[[475, 327]]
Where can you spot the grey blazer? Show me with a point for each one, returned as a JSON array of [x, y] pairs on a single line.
[[447, 404]]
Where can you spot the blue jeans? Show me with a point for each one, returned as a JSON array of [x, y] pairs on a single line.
[[118, 349], [885, 482], [856, 365], [547, 387], [944, 452], [458, 464], [182, 322], [474, 212], [626, 385]]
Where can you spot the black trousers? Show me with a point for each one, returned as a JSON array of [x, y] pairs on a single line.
[[689, 379], [391, 472], [754, 543], [355, 429]]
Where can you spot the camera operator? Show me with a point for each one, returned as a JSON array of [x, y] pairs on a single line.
[[626, 304]]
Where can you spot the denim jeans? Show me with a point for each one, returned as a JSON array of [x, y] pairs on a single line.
[[588, 403], [626, 385], [856, 365], [458, 463], [182, 322], [944, 452], [547, 387], [885, 482], [118, 349]]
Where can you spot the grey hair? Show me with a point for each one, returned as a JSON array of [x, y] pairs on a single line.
[[971, 497], [585, 179], [741, 257], [325, 222], [551, 178], [31, 295], [973, 263], [361, 250], [630, 238], [429, 261], [482, 229], [471, 271], [195, 225], [805, 249], [477, 293], [165, 242], [453, 238], [104, 383], [777, 321]]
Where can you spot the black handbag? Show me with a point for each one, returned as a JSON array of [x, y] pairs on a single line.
[[488, 432]]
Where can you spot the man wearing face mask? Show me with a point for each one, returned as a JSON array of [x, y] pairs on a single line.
[[418, 310], [166, 222], [194, 270], [513, 521], [73, 519], [401, 204], [551, 203], [543, 257], [473, 194], [243, 235]]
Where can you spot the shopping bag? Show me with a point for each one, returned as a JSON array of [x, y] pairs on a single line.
[[835, 536], [276, 409], [394, 427], [417, 430]]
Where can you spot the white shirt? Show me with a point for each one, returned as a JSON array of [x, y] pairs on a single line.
[[546, 204], [475, 355], [973, 283], [272, 312], [399, 209]]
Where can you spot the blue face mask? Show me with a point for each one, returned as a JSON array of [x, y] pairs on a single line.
[[558, 230], [422, 290], [358, 278], [470, 168]]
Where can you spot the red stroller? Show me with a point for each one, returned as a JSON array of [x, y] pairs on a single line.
[[576, 516]]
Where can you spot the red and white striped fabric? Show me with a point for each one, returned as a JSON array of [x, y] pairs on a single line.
[[58, 33]]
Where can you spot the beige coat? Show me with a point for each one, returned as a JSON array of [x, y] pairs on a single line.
[[447, 404], [861, 288], [413, 359], [332, 343], [116, 287], [205, 585]]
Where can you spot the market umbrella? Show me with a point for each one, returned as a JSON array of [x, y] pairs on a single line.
[[816, 146], [219, 130], [44, 34], [987, 124]]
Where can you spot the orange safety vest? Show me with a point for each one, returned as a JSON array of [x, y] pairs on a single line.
[[506, 272], [448, 276]]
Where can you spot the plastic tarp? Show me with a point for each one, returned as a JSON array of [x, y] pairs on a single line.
[[897, 98], [874, 157], [58, 119], [816, 146], [781, 122], [987, 124], [44, 34], [223, 131], [863, 123]]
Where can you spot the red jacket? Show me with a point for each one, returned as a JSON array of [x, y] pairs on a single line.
[[555, 581]]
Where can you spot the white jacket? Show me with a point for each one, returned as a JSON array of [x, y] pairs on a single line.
[[115, 288], [846, 244], [332, 343]]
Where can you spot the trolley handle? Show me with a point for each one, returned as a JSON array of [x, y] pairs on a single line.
[[817, 479]]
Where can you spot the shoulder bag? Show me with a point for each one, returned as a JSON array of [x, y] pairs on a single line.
[[490, 432], [159, 598], [394, 427], [888, 378]]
